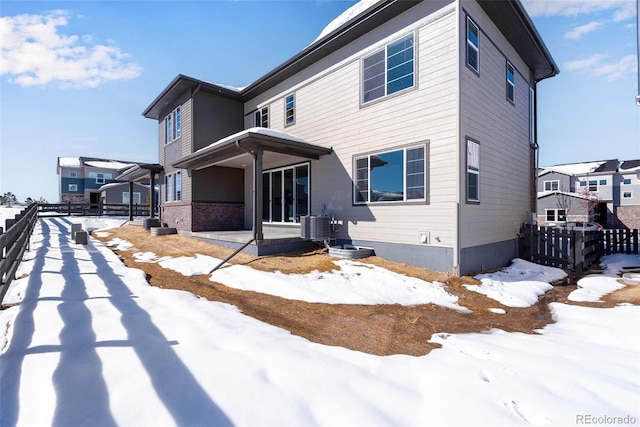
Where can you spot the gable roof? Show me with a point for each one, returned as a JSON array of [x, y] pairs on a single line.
[[583, 168], [508, 15]]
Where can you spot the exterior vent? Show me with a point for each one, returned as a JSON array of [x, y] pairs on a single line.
[[313, 227]]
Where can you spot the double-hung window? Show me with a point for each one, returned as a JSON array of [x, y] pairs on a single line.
[[389, 70], [136, 197], [173, 125], [290, 110], [262, 117], [473, 46], [473, 171], [552, 185], [391, 176], [511, 83], [555, 215]]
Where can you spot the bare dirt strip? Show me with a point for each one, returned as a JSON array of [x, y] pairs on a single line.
[[375, 329]]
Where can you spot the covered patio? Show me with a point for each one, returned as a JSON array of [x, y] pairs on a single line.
[[255, 147]]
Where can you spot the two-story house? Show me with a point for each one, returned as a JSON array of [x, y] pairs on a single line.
[[93, 180], [600, 191], [412, 124]]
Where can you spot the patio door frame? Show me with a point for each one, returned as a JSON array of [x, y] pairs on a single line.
[[281, 195]]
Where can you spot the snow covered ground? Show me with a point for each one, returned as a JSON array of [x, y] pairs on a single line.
[[91, 343]]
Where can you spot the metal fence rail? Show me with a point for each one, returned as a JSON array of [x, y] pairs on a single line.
[[13, 242]]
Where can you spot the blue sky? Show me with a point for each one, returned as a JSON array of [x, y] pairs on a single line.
[[92, 67]]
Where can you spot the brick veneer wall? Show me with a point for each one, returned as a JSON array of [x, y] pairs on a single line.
[[217, 216], [177, 216], [72, 198], [628, 217], [204, 216]]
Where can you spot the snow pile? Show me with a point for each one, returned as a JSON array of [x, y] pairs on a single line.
[[346, 16], [593, 287], [519, 285], [91, 343]]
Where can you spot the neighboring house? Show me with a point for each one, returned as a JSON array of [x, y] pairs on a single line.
[[412, 124], [600, 191], [91, 180]]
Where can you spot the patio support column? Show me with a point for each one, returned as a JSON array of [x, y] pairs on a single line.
[[130, 200], [257, 194], [152, 195]]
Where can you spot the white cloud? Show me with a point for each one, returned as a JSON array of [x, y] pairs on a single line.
[[599, 66], [616, 70], [580, 31], [582, 64], [35, 53], [622, 9]]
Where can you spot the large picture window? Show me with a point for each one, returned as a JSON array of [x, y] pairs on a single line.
[[391, 176], [388, 70]]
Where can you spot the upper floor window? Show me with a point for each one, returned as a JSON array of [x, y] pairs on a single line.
[[552, 185], [73, 188], [626, 181], [388, 70], [100, 177], [473, 46], [392, 176], [173, 125], [262, 117], [627, 195], [511, 83], [593, 185], [73, 174], [290, 110], [473, 171], [602, 182]]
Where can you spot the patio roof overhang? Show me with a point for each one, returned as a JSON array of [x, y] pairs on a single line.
[[248, 141], [139, 172]]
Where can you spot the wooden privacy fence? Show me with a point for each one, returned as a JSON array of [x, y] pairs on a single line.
[[106, 209], [574, 250], [621, 241], [13, 242]]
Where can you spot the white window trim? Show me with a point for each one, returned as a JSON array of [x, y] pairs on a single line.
[[261, 117], [550, 182], [556, 215], [73, 188]]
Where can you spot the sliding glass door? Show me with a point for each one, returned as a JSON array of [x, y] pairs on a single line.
[[285, 194]]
